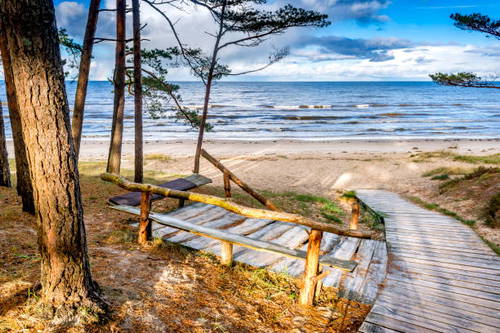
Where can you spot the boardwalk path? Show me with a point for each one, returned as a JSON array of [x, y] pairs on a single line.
[[441, 276], [361, 284]]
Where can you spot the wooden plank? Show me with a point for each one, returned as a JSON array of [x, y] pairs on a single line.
[[448, 287], [416, 288], [444, 252], [354, 282], [491, 261], [371, 328], [376, 274], [295, 267], [345, 249], [452, 263], [397, 323], [447, 281], [238, 239], [462, 312], [419, 245], [432, 267], [291, 238], [440, 273], [416, 319], [247, 226]]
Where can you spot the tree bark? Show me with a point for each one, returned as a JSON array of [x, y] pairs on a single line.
[[115, 147], [69, 295], [138, 161], [23, 185], [4, 158], [83, 75]]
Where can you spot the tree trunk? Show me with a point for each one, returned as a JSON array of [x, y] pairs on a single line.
[[68, 294], [23, 184], [138, 170], [115, 147], [4, 158], [83, 75]]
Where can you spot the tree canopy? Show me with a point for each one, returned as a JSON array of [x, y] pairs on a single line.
[[472, 22]]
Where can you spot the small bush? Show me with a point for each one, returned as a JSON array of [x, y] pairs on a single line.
[[492, 214], [441, 177]]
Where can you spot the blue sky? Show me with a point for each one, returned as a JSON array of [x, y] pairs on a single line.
[[369, 40]]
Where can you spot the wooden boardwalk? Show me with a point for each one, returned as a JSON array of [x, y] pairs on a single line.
[[361, 284], [441, 276]]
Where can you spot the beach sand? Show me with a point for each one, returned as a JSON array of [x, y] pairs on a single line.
[[320, 168]]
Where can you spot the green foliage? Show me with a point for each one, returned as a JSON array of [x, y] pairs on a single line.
[[477, 22], [72, 48], [441, 177], [161, 98], [462, 79], [472, 22], [444, 170], [480, 173], [488, 159], [492, 213], [444, 211]]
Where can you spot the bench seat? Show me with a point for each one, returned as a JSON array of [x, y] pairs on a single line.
[[180, 184]]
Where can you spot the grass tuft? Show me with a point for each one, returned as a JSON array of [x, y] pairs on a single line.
[[445, 170], [158, 157]]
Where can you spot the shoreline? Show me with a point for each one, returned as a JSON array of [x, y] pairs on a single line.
[[97, 150]]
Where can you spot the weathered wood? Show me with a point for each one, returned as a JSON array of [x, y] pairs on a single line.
[[144, 221], [227, 184], [4, 158], [115, 145], [233, 207], [182, 184], [83, 75], [442, 277], [223, 235], [227, 253], [138, 144], [266, 202], [355, 207], [311, 268]]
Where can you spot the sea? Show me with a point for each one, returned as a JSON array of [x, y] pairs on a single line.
[[320, 111]]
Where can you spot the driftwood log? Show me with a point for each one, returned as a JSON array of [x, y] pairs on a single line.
[[233, 207]]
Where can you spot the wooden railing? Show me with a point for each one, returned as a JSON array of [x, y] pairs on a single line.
[[311, 277]]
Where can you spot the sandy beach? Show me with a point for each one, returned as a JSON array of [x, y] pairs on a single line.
[[321, 167]]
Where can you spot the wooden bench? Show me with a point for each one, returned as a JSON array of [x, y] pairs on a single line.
[[230, 239], [181, 184]]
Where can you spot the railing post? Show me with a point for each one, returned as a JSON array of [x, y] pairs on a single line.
[[355, 206], [227, 253], [311, 270], [227, 184], [145, 232]]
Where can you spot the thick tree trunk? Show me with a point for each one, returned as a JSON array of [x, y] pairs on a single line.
[[115, 147], [68, 291], [138, 173], [23, 184], [83, 75], [4, 158]]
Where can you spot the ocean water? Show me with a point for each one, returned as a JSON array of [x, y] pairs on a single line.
[[310, 111]]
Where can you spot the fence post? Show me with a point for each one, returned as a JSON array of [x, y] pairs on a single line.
[[311, 269], [227, 184], [227, 253], [355, 206], [144, 222]]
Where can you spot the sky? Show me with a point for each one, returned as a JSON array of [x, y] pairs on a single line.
[[368, 40]]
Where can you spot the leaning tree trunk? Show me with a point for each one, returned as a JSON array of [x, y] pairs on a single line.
[[4, 158], [138, 170], [83, 75], [23, 184], [115, 147], [68, 292]]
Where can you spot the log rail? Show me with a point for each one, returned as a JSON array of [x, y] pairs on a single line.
[[317, 228]]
